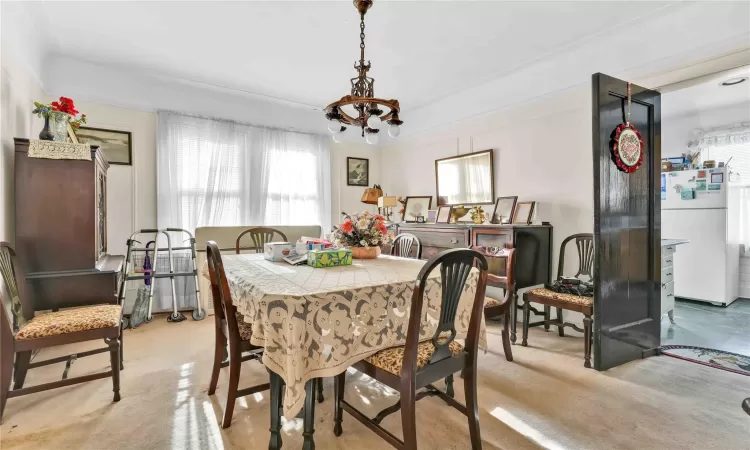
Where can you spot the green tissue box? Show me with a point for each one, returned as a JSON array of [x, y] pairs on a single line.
[[329, 258]]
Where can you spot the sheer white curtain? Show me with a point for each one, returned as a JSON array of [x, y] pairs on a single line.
[[222, 173]]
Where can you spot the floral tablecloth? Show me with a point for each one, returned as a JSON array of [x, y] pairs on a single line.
[[315, 323]]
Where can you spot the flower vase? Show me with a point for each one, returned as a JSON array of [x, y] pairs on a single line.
[[46, 134], [59, 125], [365, 252]]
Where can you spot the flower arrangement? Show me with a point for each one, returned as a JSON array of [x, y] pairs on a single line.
[[477, 214], [65, 105], [362, 230], [403, 205]]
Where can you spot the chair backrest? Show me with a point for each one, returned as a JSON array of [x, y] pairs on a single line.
[[585, 246], [15, 284], [260, 236], [403, 244], [222, 297], [508, 254], [455, 267]]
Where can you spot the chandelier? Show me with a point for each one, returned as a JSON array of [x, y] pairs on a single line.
[[365, 110]]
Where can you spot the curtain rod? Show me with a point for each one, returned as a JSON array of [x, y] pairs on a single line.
[[248, 124]]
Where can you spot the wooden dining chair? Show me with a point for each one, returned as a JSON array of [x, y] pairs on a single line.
[[28, 332], [404, 243], [501, 307], [259, 236], [417, 365], [585, 247], [231, 326]]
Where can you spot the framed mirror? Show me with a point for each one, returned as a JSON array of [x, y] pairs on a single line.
[[465, 180]]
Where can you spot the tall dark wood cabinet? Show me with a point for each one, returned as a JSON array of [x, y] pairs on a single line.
[[61, 230]]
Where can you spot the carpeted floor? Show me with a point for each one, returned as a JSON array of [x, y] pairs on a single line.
[[545, 399]]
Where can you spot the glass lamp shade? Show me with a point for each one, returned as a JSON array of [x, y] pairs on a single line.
[[371, 138], [387, 201], [337, 138], [334, 126], [394, 131], [374, 122]]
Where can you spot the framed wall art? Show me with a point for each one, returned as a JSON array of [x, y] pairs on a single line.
[[116, 145], [524, 211], [443, 214], [415, 207], [357, 171], [504, 207]]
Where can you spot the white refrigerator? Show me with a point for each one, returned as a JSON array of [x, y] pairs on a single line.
[[702, 207]]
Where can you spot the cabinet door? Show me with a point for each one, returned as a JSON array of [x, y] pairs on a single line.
[[489, 237]]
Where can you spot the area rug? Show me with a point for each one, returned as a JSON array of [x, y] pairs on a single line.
[[719, 359]]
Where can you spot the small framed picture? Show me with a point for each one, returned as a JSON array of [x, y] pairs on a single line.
[[72, 134], [357, 171], [416, 207], [443, 214], [115, 145], [524, 211], [432, 216], [717, 177], [504, 207]]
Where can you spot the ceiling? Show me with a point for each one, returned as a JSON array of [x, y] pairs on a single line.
[[706, 93], [426, 54]]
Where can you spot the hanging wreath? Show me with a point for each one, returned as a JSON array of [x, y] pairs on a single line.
[[626, 144], [627, 148]]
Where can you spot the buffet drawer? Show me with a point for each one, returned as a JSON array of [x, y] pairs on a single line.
[[437, 237], [667, 260], [667, 297]]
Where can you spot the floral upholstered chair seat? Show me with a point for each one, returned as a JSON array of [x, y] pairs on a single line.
[[559, 296], [490, 302], [391, 359], [71, 321]]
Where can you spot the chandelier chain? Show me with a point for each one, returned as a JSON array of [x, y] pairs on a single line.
[[362, 38]]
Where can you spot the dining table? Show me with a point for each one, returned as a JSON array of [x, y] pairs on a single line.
[[316, 322]]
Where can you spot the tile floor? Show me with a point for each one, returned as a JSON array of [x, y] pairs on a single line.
[[705, 325]]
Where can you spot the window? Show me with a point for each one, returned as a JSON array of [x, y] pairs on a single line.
[[739, 154]]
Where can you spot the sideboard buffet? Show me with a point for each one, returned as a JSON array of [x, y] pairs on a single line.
[[533, 244]]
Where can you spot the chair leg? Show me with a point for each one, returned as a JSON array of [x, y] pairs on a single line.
[[122, 348], [506, 338], [6, 373], [513, 311], [526, 317], [277, 386], [547, 317], [339, 381], [408, 414], [308, 426], [234, 379], [319, 383], [21, 367], [472, 406], [219, 349], [560, 329], [587, 341], [449, 386], [114, 360]]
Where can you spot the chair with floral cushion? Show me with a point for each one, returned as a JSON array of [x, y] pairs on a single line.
[[585, 247], [28, 332], [418, 364], [231, 326]]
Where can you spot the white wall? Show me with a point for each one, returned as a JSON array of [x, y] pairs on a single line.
[[20, 86], [542, 152], [678, 129]]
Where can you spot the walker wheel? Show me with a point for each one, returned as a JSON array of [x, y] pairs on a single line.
[[149, 318], [125, 322], [176, 317], [199, 315]]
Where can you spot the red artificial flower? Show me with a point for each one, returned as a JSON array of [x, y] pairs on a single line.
[[55, 106], [347, 227], [382, 228], [379, 218]]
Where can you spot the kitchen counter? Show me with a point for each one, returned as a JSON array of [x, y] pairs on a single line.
[[668, 242]]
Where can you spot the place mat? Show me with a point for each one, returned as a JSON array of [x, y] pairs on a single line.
[[719, 359], [59, 150]]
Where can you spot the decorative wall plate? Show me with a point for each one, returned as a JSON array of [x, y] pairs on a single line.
[[627, 148]]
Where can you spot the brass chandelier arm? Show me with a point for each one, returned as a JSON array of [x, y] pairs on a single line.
[[392, 105]]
